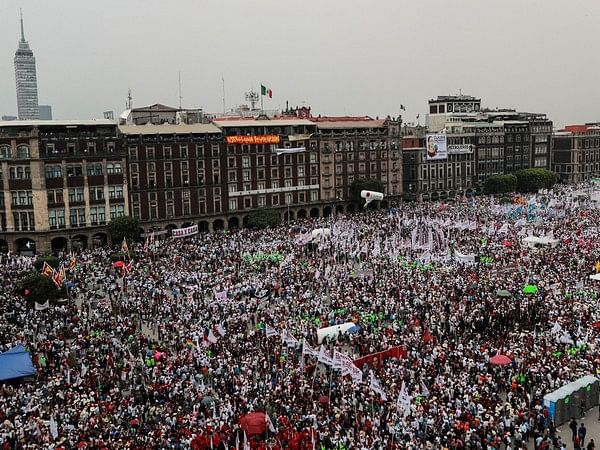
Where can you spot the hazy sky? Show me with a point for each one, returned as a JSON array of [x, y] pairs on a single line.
[[338, 56]]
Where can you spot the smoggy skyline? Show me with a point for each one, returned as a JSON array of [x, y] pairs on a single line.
[[339, 57]]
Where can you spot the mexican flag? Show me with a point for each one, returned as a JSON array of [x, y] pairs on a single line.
[[266, 91]]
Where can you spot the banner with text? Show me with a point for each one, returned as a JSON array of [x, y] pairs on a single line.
[[184, 232]]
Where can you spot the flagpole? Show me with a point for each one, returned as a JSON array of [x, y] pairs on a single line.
[[262, 109]]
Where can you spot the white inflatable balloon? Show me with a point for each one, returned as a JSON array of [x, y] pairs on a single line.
[[369, 196]]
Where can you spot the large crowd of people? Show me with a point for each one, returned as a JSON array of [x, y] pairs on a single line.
[[205, 333]]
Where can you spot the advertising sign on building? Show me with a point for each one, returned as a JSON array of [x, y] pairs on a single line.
[[258, 139], [435, 145]]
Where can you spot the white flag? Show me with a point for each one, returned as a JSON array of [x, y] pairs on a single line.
[[211, 337], [403, 402], [324, 357], [220, 330], [270, 331], [246, 443], [270, 424], [308, 350], [424, 390], [376, 387], [289, 339], [53, 428]]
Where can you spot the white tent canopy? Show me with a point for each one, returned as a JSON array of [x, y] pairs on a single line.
[[333, 331], [595, 277]]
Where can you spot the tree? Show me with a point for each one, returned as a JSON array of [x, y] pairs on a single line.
[[123, 227], [531, 180], [364, 184], [500, 184], [264, 218], [52, 261], [35, 287]]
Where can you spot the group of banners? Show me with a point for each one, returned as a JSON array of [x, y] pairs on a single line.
[[58, 276]]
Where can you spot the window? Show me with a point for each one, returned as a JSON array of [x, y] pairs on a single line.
[[314, 196], [275, 199], [97, 193], [20, 173], [168, 153], [94, 169], [245, 162], [97, 215], [75, 195], [21, 198], [117, 211], [110, 147], [149, 152], [56, 218], [77, 217], [55, 196], [71, 148], [24, 221], [247, 202], [313, 157], [233, 204], [22, 152], [74, 170], [133, 153], [113, 168], [184, 151], [54, 171], [115, 191]]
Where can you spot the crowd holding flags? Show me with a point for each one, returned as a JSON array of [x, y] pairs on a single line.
[[59, 275]]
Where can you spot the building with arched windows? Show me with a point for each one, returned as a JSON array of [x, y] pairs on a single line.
[[62, 181]]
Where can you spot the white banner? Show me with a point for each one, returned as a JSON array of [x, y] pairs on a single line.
[[435, 146], [287, 151], [184, 232]]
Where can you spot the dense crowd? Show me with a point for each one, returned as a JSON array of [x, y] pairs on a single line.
[[210, 329]]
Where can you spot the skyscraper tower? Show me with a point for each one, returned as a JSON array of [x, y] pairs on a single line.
[[26, 78]]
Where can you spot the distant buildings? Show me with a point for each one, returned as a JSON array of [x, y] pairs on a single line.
[[576, 153], [8, 118], [64, 180], [45, 112], [26, 80]]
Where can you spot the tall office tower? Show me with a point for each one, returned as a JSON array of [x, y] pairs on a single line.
[[26, 78]]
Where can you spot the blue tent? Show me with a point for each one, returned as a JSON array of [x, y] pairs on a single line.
[[16, 363]]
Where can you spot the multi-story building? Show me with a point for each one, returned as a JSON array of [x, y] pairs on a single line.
[[426, 179], [357, 147], [270, 163], [26, 79], [502, 140], [62, 181], [176, 174], [576, 153]]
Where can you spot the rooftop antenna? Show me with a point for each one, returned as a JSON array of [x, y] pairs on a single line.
[[223, 80], [180, 97], [129, 100], [22, 28]]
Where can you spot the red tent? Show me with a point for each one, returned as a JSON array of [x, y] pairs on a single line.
[[254, 423], [119, 264]]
